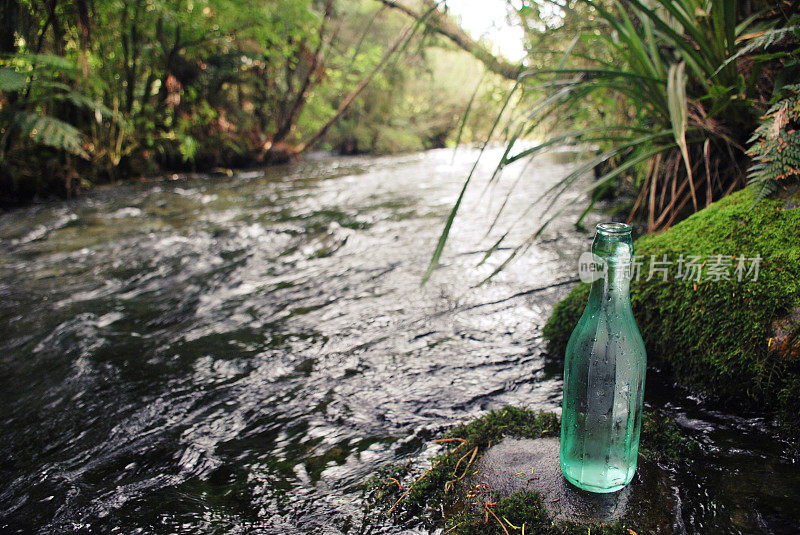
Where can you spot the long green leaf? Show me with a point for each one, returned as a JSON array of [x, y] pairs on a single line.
[[465, 116], [58, 63], [678, 114], [437, 253], [577, 135], [637, 49], [558, 189], [693, 57], [526, 244]]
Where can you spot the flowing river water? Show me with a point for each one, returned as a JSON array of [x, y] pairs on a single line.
[[239, 354]]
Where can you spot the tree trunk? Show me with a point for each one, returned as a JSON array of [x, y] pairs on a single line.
[[83, 34], [9, 10], [132, 48], [442, 24], [305, 89]]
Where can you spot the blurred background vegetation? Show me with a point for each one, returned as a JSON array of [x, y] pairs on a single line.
[[94, 91], [666, 96], [674, 103]]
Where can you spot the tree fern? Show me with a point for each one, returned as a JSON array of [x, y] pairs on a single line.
[[775, 146], [28, 119], [49, 131]]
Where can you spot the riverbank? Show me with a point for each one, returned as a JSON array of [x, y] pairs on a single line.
[[22, 184], [717, 298]]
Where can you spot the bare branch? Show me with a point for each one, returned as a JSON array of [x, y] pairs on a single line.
[[404, 36]]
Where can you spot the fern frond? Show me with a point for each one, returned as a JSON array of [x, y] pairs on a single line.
[[50, 61], [50, 131], [82, 101], [775, 146], [768, 38], [763, 41], [11, 80]]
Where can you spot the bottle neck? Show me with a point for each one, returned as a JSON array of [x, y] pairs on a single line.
[[613, 288], [615, 252]]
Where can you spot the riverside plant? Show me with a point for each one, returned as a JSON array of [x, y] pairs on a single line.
[[775, 146], [34, 85], [35, 89], [677, 85]]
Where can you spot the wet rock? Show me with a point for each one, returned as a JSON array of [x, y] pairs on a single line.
[[279, 153], [647, 503]]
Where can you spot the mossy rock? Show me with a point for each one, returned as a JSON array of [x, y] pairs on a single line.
[[734, 340], [452, 495], [516, 466]]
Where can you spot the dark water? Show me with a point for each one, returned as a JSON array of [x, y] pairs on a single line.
[[237, 355]]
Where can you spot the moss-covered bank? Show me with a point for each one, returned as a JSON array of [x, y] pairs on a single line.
[[735, 340], [445, 497]]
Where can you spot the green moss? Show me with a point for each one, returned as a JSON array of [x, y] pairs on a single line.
[[661, 438], [715, 336], [564, 318], [317, 464], [509, 421], [439, 490], [518, 509], [440, 499], [521, 508], [436, 499]]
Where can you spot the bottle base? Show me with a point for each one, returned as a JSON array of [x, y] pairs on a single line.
[[623, 482]]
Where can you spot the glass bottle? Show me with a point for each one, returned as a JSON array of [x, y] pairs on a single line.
[[604, 372]]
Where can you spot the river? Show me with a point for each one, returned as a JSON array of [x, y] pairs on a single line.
[[237, 354]]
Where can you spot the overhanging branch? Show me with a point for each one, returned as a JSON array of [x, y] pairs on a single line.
[[443, 25]]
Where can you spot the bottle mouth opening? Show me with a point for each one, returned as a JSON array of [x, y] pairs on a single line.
[[614, 229]]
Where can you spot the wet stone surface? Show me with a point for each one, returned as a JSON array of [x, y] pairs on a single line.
[[514, 464]]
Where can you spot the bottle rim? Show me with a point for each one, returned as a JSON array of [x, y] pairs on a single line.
[[614, 229]]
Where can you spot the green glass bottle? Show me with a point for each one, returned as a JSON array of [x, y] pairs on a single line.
[[604, 372]]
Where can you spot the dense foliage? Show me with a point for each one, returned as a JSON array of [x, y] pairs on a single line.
[[667, 93], [677, 89], [96, 91]]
